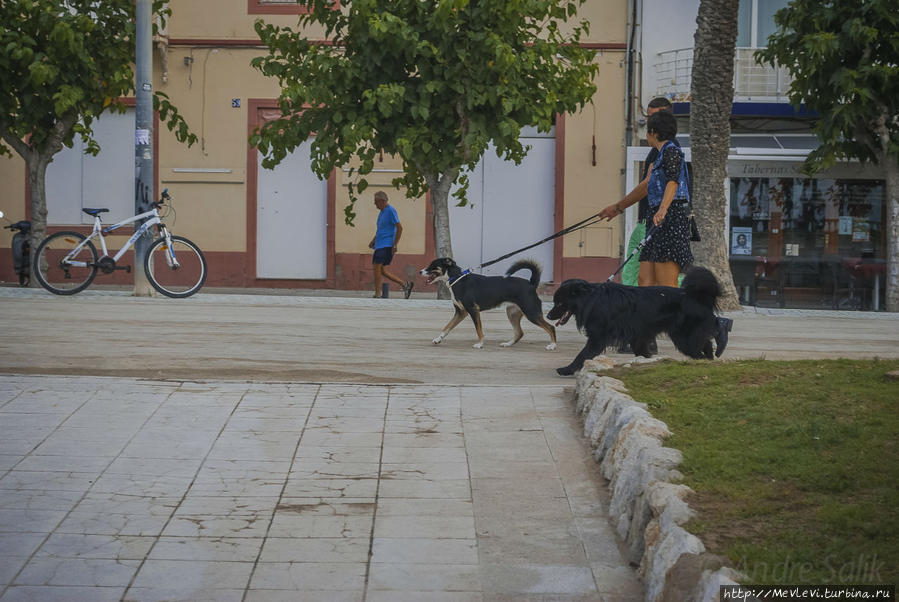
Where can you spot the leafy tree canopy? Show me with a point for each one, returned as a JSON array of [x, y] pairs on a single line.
[[433, 81], [844, 58], [64, 62]]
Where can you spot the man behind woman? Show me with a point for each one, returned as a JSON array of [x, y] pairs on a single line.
[[666, 189]]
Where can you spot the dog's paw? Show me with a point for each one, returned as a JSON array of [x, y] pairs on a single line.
[[566, 371], [478, 345], [507, 343], [551, 347], [438, 340]]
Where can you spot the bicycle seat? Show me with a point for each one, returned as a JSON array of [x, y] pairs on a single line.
[[94, 212]]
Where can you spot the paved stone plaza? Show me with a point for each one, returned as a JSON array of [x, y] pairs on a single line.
[[125, 489], [190, 456]]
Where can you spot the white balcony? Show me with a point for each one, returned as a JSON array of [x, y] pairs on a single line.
[[752, 81]]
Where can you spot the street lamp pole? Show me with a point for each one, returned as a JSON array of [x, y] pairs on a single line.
[[143, 138]]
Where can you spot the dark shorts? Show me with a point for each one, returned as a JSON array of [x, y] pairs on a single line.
[[383, 256]]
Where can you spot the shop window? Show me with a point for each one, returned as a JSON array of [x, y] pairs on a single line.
[[802, 242]]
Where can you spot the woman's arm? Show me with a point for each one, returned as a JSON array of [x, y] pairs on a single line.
[[667, 197], [632, 197]]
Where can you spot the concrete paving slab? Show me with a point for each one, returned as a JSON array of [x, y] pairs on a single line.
[[297, 339], [347, 515]]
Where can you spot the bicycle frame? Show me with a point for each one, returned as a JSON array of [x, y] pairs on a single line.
[[99, 231]]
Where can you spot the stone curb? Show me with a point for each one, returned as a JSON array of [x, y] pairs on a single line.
[[647, 506]]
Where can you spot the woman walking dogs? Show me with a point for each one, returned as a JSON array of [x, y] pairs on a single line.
[[667, 253]]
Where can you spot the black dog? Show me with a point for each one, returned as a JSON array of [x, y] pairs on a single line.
[[613, 313], [473, 293]]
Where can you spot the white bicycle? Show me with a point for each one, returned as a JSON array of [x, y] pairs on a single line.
[[65, 263]]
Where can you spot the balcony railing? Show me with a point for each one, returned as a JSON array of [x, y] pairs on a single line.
[[752, 81]]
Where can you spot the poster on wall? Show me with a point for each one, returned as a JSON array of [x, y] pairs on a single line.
[[741, 241], [861, 231], [845, 225]]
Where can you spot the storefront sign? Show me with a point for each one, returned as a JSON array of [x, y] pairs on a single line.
[[793, 169]]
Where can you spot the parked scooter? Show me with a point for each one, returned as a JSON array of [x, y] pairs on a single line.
[[21, 249]]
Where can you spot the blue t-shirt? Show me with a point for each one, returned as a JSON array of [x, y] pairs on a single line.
[[387, 221]]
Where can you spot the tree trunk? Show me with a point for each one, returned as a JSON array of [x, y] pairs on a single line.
[[37, 176], [891, 168], [36, 161], [443, 246], [712, 93]]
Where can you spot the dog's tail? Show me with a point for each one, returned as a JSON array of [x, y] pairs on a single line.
[[702, 286], [529, 264]]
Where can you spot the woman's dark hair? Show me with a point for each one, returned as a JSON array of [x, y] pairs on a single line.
[[663, 124]]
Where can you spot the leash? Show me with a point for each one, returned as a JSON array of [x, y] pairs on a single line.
[[581, 224], [652, 230]]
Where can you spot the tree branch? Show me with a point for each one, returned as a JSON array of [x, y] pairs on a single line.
[[16, 143]]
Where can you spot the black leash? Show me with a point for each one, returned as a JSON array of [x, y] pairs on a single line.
[[581, 224], [652, 230]]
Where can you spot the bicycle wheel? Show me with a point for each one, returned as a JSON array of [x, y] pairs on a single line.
[[65, 263], [181, 280]]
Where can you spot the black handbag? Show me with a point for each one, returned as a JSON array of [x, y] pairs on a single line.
[[694, 230]]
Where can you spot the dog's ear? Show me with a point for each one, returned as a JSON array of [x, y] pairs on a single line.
[[448, 262], [577, 287], [584, 287]]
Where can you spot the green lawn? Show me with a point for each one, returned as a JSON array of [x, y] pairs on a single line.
[[795, 464]]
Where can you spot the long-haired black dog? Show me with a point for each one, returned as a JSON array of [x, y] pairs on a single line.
[[613, 314], [473, 293]]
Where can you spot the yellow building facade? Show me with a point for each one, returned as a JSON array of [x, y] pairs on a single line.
[[261, 229]]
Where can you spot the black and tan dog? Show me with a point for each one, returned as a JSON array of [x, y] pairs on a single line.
[[612, 314], [473, 293]]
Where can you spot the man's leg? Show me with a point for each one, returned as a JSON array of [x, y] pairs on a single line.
[[629, 274], [405, 285], [391, 276], [377, 268], [724, 326], [645, 277]]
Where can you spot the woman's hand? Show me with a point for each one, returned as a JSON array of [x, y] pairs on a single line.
[[659, 217], [610, 212]]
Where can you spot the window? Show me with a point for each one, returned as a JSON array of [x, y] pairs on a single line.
[[755, 22], [274, 7], [75, 180], [808, 242]]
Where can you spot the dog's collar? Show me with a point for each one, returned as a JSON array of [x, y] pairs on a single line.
[[461, 276]]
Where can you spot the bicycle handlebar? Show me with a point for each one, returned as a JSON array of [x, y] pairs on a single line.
[[163, 198]]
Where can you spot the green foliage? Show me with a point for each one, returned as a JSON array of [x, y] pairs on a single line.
[[794, 464], [433, 81], [844, 58], [65, 62]]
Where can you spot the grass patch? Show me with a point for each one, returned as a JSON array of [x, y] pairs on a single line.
[[795, 464]]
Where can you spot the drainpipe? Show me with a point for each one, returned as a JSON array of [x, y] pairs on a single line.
[[629, 79]]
